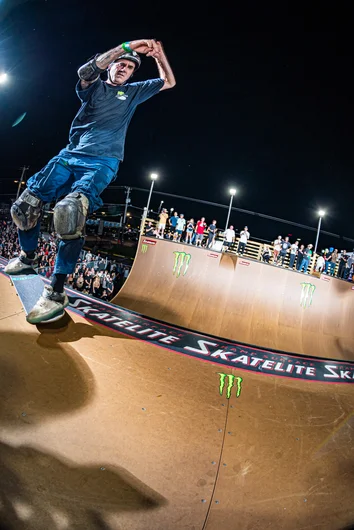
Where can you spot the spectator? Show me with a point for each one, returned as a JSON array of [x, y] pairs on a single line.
[[199, 230], [350, 267], [79, 282], [180, 226], [306, 259], [327, 257], [333, 262], [189, 232], [300, 256], [244, 237], [293, 253], [173, 223], [285, 245], [211, 234], [150, 230], [95, 286], [230, 236], [266, 254], [277, 248], [109, 287], [320, 264], [342, 264], [162, 223]]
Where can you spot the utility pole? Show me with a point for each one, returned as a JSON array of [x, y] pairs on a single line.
[[127, 202], [124, 216], [24, 169]]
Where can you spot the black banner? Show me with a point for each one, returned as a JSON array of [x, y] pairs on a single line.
[[207, 348], [215, 350]]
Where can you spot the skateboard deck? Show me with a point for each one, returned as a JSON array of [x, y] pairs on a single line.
[[29, 287]]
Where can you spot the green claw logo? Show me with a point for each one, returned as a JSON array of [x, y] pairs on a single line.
[[121, 95], [181, 259], [144, 248], [307, 292], [231, 381]]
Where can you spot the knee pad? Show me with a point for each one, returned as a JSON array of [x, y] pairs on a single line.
[[70, 216], [26, 210]]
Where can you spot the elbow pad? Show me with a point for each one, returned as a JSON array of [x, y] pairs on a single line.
[[90, 71]]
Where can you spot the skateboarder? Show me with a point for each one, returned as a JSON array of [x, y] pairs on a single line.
[[87, 165]]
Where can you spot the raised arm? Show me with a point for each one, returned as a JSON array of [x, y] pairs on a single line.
[[163, 66], [90, 72]]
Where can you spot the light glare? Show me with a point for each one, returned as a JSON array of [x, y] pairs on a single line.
[[154, 176], [321, 213], [232, 191], [3, 78]]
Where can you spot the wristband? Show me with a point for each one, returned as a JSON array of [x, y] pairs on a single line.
[[126, 47]]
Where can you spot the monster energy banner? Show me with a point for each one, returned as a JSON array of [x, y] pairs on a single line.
[[211, 349]]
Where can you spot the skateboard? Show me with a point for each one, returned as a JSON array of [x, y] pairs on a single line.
[[29, 287]]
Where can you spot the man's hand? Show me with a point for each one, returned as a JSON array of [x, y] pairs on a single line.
[[144, 46], [158, 52]]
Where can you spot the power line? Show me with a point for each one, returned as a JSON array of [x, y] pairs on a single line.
[[241, 210]]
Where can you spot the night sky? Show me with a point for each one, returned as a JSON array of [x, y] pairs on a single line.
[[263, 102]]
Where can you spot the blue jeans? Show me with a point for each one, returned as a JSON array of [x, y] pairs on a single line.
[[66, 173], [304, 264], [332, 267], [292, 260]]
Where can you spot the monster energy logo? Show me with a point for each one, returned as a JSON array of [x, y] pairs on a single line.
[[144, 248], [306, 294], [231, 381], [181, 259]]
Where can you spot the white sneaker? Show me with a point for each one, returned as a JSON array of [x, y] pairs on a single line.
[[20, 265], [50, 306]]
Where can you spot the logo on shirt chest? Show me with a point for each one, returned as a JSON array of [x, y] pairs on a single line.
[[121, 95]]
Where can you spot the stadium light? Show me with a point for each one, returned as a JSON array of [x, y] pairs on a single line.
[[232, 192], [321, 213], [153, 177]]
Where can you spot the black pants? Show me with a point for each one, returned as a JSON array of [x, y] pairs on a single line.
[[241, 247], [282, 257], [341, 269]]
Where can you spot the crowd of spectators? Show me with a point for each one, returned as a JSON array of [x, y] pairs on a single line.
[[294, 256], [93, 275], [299, 258]]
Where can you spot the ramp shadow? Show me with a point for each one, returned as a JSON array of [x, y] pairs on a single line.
[[54, 334], [36, 382], [39, 491]]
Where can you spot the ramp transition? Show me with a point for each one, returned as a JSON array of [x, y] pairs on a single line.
[[241, 299]]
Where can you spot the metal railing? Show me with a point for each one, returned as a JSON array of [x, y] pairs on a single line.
[[253, 249]]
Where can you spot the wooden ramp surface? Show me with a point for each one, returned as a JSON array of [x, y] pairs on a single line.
[[241, 299], [100, 431]]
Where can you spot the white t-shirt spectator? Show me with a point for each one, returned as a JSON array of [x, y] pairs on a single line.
[[245, 235], [293, 248], [181, 223], [230, 235], [320, 263], [277, 244]]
